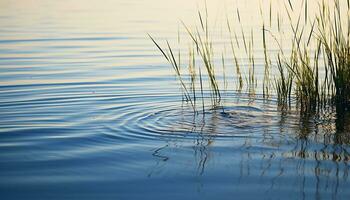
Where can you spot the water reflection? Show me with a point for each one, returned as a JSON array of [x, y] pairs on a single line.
[[88, 107], [342, 123], [306, 152]]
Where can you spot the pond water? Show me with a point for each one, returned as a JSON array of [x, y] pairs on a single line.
[[89, 109]]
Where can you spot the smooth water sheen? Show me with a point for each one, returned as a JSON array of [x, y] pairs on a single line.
[[89, 109]]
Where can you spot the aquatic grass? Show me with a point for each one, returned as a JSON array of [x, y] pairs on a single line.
[[201, 84], [311, 92], [335, 42], [169, 56], [192, 73], [251, 80], [267, 65], [315, 72], [283, 84], [204, 48], [305, 74], [224, 72], [235, 59]]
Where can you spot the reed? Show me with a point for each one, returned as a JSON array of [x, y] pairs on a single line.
[[267, 65], [315, 72], [204, 46], [169, 56], [312, 89], [335, 41], [283, 84], [235, 58]]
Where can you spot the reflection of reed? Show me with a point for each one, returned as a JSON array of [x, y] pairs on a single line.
[[307, 154], [327, 176], [308, 151], [201, 142], [342, 122], [156, 153], [161, 159], [299, 169], [202, 154]]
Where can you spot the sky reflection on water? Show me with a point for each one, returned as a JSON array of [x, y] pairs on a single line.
[[90, 110]]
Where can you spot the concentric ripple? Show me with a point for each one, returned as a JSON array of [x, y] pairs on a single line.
[[89, 109], [165, 116]]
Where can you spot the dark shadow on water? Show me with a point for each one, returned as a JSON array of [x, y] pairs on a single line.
[[342, 122]]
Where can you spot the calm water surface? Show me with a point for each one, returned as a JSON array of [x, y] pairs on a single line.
[[90, 110]]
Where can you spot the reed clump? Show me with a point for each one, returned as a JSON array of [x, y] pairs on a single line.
[[335, 40], [312, 74]]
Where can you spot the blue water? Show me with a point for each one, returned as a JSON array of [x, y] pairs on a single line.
[[89, 109]]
